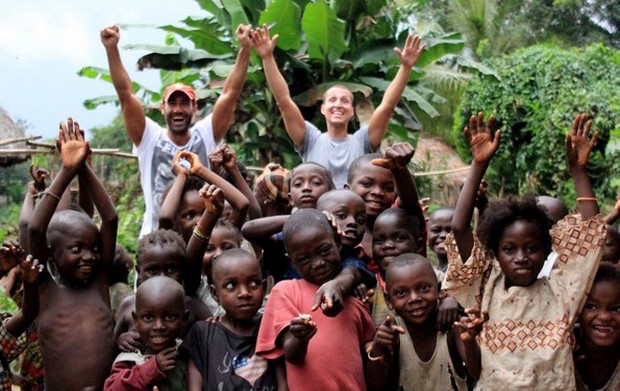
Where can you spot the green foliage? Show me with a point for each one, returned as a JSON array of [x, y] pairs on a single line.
[[541, 90]]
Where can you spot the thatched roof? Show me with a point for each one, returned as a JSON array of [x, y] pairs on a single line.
[[9, 130], [434, 156]]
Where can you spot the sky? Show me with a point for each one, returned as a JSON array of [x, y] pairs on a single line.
[[44, 44]]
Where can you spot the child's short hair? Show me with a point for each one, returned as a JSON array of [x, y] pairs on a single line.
[[225, 224], [607, 271], [412, 224], [159, 283], [161, 237], [64, 219], [406, 259], [301, 220], [192, 183], [358, 162], [121, 265], [226, 256], [327, 175], [499, 214]]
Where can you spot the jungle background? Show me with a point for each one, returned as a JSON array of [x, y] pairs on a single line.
[[532, 64]]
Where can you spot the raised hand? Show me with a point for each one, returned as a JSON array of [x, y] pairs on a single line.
[[180, 166], [110, 36], [192, 159], [129, 341], [11, 253], [410, 54], [213, 198], [447, 313], [303, 327], [230, 157], [386, 337], [216, 158], [31, 269], [39, 175], [263, 45], [578, 142], [167, 359], [482, 143], [73, 148], [396, 157], [470, 326], [244, 35]]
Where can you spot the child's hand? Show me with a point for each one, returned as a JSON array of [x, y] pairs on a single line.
[[129, 341], [213, 198], [39, 175], [423, 202], [30, 270], [362, 293], [192, 159], [578, 147], [447, 313], [411, 52], [244, 35], [230, 157], [386, 337], [216, 158], [73, 148], [303, 327], [329, 298], [396, 157], [481, 197], [180, 166], [333, 221], [470, 326], [481, 141], [262, 44], [11, 253], [167, 359]]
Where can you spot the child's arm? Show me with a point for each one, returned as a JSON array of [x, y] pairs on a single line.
[[194, 377], [578, 148], [261, 231], [85, 200], [171, 203], [614, 215], [233, 196], [483, 147], [293, 120], [383, 354], [127, 376], [408, 57], [224, 108], [74, 152], [464, 335], [396, 159], [34, 188], [19, 322], [230, 165], [296, 338], [198, 242]]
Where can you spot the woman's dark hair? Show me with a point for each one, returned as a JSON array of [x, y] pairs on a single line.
[[501, 213]]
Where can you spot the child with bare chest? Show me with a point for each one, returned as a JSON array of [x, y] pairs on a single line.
[[75, 322]]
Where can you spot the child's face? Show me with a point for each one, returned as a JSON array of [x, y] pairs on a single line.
[[376, 187], [159, 320], [190, 212], [611, 249], [158, 260], [439, 226], [315, 254], [390, 238], [307, 184], [521, 253], [222, 239], [76, 253], [239, 287], [600, 318], [413, 293], [350, 213]]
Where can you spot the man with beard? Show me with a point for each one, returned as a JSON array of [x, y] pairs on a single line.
[[156, 146]]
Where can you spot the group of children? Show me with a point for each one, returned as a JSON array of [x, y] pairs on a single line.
[[356, 304]]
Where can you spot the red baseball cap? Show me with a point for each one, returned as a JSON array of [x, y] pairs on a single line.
[[187, 90]]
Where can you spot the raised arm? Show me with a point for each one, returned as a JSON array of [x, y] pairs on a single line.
[[396, 159], [170, 204], [614, 215], [133, 113], [224, 109], [293, 120], [408, 56], [578, 148], [73, 154], [34, 188], [19, 322], [260, 231], [229, 161], [483, 147]]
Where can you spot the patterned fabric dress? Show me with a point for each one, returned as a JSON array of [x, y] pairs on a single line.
[[527, 342]]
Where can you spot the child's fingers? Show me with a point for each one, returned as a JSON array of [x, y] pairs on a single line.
[[594, 139], [398, 329]]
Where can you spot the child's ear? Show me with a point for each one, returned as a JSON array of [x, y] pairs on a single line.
[[134, 316], [420, 244], [214, 293]]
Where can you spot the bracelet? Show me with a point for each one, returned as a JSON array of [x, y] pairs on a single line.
[[49, 193], [200, 234], [579, 199], [371, 358]]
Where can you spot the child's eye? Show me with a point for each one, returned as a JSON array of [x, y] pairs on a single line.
[[400, 293], [388, 189], [361, 220], [589, 307], [254, 284], [326, 250], [228, 246], [508, 250], [147, 318], [75, 249], [317, 183], [340, 216], [532, 249], [377, 240], [615, 309], [425, 288], [172, 269], [171, 317], [365, 184], [230, 286], [303, 261]]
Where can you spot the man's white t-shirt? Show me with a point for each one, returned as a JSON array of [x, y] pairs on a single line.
[[155, 154]]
